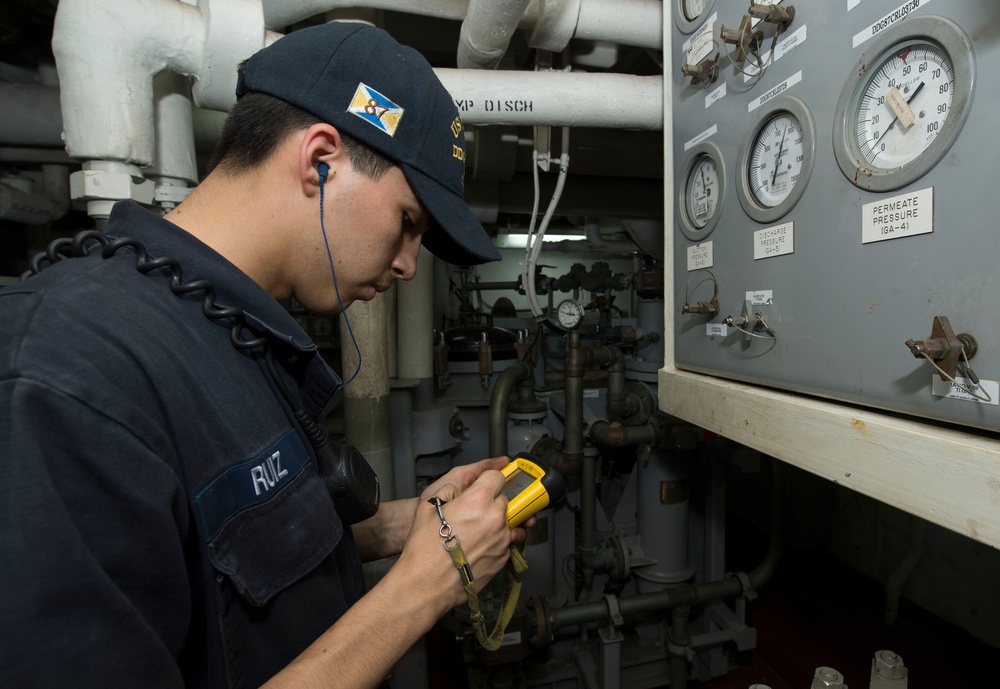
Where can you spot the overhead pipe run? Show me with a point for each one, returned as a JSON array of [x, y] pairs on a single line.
[[567, 99], [486, 32], [550, 24]]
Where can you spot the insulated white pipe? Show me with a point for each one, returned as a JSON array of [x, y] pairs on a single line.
[[279, 14], [107, 55], [175, 152], [627, 22], [566, 99], [486, 32]]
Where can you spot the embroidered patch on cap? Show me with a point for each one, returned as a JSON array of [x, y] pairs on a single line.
[[376, 109]]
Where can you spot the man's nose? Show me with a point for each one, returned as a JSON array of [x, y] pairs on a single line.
[[404, 267]]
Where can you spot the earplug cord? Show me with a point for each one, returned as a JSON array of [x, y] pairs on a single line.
[[324, 169]]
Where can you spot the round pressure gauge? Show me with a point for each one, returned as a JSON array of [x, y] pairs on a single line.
[[690, 14], [776, 159], [699, 203], [693, 9], [569, 314], [905, 104]]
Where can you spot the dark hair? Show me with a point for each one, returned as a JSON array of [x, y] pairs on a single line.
[[259, 122]]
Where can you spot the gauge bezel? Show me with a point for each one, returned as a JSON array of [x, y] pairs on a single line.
[[687, 226], [689, 26], [957, 47], [580, 311], [777, 106]]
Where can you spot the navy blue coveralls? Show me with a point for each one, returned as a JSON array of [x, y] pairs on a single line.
[[162, 521]]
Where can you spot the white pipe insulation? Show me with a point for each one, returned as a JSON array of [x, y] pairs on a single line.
[[566, 99], [486, 32], [107, 55], [550, 23]]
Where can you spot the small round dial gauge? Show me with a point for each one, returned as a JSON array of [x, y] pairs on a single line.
[[569, 314], [904, 104], [703, 190], [693, 8], [776, 160]]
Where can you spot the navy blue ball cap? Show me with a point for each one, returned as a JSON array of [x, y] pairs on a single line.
[[360, 80]]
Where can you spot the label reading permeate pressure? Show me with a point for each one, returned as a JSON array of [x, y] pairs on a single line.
[[899, 216], [774, 241], [701, 137], [716, 329], [701, 256], [945, 388]]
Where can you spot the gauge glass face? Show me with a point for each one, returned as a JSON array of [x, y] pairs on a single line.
[[776, 160], [693, 8], [569, 314], [702, 191], [904, 105]]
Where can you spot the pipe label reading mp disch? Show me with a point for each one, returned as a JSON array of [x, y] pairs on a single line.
[[701, 256], [899, 216], [946, 388]]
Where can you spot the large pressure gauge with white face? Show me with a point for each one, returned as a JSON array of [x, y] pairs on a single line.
[[776, 160], [702, 192], [905, 103]]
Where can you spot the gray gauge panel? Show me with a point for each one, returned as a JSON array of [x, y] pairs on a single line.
[[841, 307]]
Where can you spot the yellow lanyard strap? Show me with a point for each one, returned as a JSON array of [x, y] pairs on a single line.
[[513, 574]]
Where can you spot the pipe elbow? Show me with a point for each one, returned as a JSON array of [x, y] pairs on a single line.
[[106, 60]]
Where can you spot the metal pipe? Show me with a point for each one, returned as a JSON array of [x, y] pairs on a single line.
[[679, 640], [567, 99], [366, 399], [588, 517], [486, 32], [573, 422], [670, 598], [415, 321], [895, 582], [607, 435], [499, 399]]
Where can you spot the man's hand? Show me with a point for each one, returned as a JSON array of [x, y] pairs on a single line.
[[463, 476]]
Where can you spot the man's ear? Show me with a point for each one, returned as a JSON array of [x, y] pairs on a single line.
[[320, 145]]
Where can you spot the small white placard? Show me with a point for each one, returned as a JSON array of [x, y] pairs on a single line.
[[592, 393], [715, 95], [888, 20], [774, 241], [986, 388], [900, 216], [760, 296], [776, 91], [701, 256], [701, 137], [699, 46], [511, 639], [794, 40], [707, 28], [716, 329]]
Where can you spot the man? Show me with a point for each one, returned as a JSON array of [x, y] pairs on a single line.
[[163, 524]]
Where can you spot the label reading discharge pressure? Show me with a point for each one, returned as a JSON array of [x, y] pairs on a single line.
[[774, 241], [899, 216]]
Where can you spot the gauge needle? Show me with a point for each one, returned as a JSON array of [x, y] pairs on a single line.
[[896, 117], [777, 159]]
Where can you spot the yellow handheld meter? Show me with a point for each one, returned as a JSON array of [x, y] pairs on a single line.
[[530, 486]]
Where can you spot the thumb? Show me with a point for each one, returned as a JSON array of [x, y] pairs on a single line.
[[447, 492]]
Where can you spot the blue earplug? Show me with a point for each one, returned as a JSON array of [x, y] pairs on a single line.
[[323, 170]]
